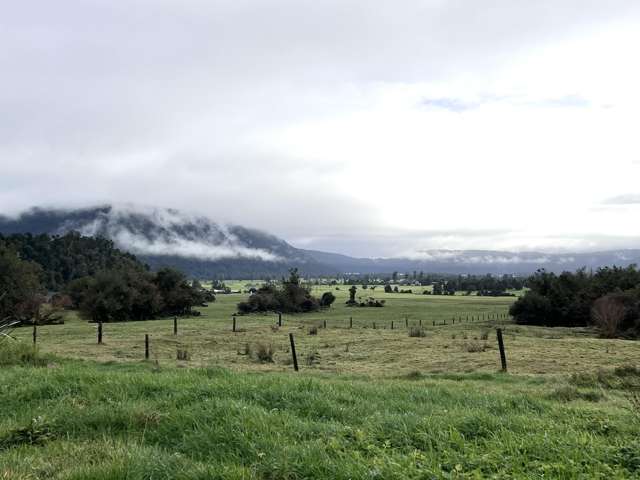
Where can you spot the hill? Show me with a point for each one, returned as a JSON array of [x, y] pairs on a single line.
[[203, 248]]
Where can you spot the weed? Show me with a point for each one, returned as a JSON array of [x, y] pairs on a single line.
[[312, 358], [263, 352], [37, 432], [475, 347], [569, 393], [417, 332], [20, 353]]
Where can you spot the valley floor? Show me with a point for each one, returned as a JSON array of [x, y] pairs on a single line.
[[366, 403]]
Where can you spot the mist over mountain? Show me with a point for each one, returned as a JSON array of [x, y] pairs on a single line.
[[203, 248]]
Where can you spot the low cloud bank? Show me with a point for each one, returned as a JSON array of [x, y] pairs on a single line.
[[483, 258], [155, 231]]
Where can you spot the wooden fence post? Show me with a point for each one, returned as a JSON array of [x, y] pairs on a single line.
[[406, 321], [233, 328], [99, 332], [35, 331], [279, 319], [146, 346], [175, 325], [350, 322], [391, 324], [503, 357], [324, 323], [293, 352]]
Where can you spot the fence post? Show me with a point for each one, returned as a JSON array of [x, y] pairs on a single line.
[[350, 322], [503, 357], [391, 324], [35, 331], [175, 325], [293, 352], [279, 319], [374, 325], [406, 321], [99, 332], [233, 328], [324, 323], [434, 323], [146, 346], [454, 320], [420, 322]]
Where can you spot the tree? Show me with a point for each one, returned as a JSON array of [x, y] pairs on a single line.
[[177, 294], [608, 313], [20, 288], [291, 297], [327, 299], [352, 295]]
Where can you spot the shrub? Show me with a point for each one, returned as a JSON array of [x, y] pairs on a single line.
[[417, 332]]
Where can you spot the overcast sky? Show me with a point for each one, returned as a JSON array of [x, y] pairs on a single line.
[[363, 127]]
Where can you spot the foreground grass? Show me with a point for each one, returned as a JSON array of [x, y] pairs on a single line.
[[84, 420]]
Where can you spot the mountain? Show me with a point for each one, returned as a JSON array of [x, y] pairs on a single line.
[[205, 249], [166, 237]]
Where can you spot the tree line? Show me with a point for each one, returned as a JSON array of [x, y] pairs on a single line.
[[90, 274], [608, 298]]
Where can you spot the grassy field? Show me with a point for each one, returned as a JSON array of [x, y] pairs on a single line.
[[366, 403], [466, 346]]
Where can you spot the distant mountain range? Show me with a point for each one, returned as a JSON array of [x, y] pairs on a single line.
[[205, 249]]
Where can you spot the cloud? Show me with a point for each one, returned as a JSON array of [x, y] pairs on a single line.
[[167, 232], [328, 120], [626, 199], [451, 104]]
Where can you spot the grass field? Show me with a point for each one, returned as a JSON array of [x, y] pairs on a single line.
[[383, 352], [366, 403]]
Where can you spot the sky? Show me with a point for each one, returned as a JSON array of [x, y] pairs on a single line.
[[371, 128]]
